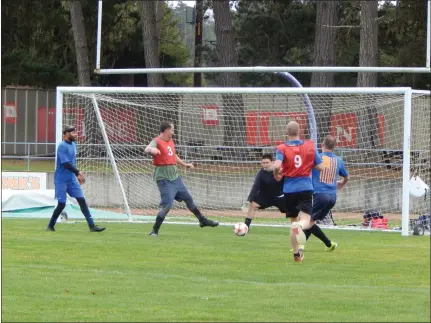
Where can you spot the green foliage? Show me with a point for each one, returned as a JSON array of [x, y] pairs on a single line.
[[173, 51], [273, 33], [38, 46]]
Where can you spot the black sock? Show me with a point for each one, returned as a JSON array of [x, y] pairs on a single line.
[[297, 254], [159, 221], [84, 209], [315, 229], [197, 213], [307, 233], [248, 221], [57, 211]]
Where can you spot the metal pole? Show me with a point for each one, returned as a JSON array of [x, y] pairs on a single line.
[[111, 156], [266, 69], [99, 34], [28, 156], [406, 163], [58, 119], [427, 64], [233, 90]]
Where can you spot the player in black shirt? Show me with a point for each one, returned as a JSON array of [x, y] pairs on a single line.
[[266, 190]]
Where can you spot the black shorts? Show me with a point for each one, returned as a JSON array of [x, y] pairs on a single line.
[[266, 202], [296, 202]]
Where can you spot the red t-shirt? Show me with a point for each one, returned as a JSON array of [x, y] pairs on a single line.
[[167, 154], [298, 159]]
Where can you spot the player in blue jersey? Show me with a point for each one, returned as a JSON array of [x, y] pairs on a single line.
[[68, 180], [294, 160], [325, 184]]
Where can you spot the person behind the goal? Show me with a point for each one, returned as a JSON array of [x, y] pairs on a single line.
[[170, 184], [294, 160], [325, 184], [266, 190]]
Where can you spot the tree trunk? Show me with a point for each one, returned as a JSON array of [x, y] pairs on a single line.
[[160, 13], [197, 77], [80, 38], [368, 52], [151, 40], [367, 128], [90, 132], [233, 105], [324, 55]]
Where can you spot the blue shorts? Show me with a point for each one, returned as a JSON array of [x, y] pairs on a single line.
[[172, 190], [322, 204], [71, 188]]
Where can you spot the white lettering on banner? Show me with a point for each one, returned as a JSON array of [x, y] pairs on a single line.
[[23, 181], [9, 111], [211, 114], [347, 134]]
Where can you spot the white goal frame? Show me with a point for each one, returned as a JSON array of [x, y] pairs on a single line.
[[405, 91]]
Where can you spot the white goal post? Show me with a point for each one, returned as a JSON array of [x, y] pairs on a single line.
[[383, 136]]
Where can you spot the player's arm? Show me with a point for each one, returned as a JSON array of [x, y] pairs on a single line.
[[344, 174], [255, 188], [278, 172], [152, 148], [318, 162], [182, 162]]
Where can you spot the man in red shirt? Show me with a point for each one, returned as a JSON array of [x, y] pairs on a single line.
[[295, 160], [170, 185]]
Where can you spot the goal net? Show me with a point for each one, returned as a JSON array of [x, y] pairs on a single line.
[[224, 133]]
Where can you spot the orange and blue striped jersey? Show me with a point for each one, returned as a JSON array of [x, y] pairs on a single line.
[[326, 180]]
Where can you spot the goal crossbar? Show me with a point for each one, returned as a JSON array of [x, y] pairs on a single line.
[[236, 90]]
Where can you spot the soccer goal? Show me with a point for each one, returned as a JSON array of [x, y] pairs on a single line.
[[383, 135]]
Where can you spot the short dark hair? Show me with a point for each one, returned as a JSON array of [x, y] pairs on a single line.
[[165, 125], [68, 128], [267, 156], [330, 142]]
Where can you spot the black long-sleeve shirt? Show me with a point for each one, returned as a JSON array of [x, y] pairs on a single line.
[[265, 185]]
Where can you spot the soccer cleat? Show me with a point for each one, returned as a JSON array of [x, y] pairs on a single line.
[[301, 248], [49, 228], [300, 258], [207, 223], [333, 246], [299, 234], [97, 229], [154, 233]]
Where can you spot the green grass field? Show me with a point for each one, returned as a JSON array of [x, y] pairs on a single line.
[[194, 274], [15, 165]]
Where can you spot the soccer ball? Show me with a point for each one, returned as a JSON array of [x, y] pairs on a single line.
[[240, 229]]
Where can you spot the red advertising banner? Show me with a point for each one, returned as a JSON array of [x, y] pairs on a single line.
[[74, 116], [9, 113], [258, 126], [45, 124], [120, 124], [381, 127], [210, 115], [343, 127]]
